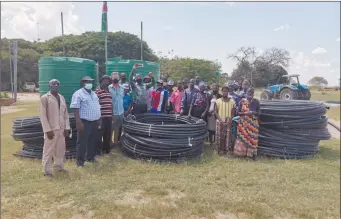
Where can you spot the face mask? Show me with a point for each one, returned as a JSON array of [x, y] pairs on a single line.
[[88, 86], [139, 81], [215, 92], [115, 81]]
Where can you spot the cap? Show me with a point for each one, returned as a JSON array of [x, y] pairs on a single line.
[[125, 86], [104, 77], [87, 78], [171, 83], [54, 81]]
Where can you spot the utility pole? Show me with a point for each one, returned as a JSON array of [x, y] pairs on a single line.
[[38, 31], [61, 18], [15, 68], [141, 40], [10, 65]]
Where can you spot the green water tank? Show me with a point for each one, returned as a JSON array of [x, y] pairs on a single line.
[[68, 70], [125, 65]]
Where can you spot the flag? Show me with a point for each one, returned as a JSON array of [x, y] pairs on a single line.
[[104, 18]]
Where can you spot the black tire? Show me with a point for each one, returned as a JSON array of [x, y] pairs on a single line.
[[307, 95], [265, 95], [287, 94]]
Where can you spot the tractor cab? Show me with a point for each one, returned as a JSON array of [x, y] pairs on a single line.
[[289, 80]]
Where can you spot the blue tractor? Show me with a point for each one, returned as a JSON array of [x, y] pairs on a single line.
[[288, 87]]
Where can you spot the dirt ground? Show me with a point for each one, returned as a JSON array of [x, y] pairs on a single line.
[[333, 131], [22, 98]]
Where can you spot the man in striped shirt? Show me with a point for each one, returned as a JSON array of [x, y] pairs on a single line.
[[105, 100]]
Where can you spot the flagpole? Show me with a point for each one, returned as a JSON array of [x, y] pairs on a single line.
[[105, 30], [141, 40], [106, 50]]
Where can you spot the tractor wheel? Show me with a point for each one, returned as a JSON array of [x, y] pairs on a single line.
[[265, 95], [307, 95], [287, 94]]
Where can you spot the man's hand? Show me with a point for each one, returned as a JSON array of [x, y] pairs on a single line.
[[50, 135], [189, 116], [126, 113], [203, 115], [79, 126], [136, 66], [66, 133]]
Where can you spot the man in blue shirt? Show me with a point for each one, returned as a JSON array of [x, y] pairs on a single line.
[[117, 93], [87, 110]]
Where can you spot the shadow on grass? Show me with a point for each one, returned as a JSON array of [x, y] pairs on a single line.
[[328, 154], [207, 156]]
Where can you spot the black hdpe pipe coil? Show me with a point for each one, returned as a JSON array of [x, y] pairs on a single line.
[[292, 129], [163, 137], [30, 132]]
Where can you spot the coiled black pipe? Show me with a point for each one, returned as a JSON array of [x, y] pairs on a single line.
[[30, 132], [163, 137], [292, 129]]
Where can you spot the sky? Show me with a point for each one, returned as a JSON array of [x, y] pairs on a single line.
[[310, 31]]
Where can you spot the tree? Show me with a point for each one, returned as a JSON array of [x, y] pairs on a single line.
[[260, 68], [318, 81], [89, 45], [178, 68]]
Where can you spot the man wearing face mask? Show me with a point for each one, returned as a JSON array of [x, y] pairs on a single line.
[[55, 122], [140, 92], [105, 100], [87, 110], [117, 94], [187, 97], [199, 105]]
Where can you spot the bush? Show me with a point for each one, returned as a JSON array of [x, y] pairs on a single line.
[[4, 95]]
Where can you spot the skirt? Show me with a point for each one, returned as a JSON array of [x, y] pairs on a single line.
[[223, 137]]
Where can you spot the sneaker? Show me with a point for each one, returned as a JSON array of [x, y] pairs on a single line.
[[92, 161]]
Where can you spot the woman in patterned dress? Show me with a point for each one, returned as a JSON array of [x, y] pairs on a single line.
[[247, 126]]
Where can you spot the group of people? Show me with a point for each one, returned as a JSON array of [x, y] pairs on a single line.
[[231, 117]]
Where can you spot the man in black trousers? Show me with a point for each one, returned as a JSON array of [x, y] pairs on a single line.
[[105, 100]]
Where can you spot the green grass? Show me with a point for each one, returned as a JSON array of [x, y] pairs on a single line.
[[325, 96], [211, 187], [4, 95]]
